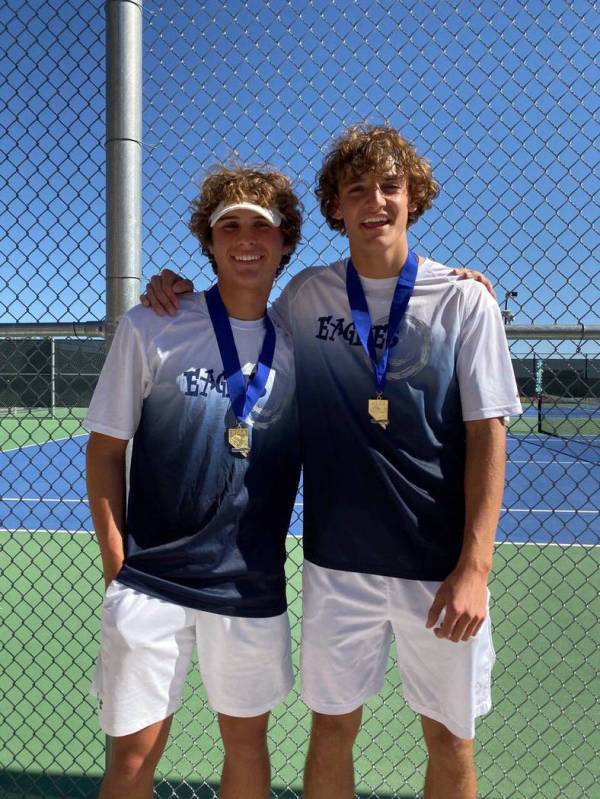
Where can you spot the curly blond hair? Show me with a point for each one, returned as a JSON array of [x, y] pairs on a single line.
[[261, 185], [374, 148]]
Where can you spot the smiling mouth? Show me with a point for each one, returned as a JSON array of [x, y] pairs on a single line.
[[372, 222], [246, 259]]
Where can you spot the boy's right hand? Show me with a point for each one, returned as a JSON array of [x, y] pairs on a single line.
[[162, 290]]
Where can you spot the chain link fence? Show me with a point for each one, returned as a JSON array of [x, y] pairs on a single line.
[[501, 97]]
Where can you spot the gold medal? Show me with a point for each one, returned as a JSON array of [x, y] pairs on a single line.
[[378, 411], [239, 440]]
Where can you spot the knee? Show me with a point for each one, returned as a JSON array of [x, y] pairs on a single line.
[[445, 747], [336, 731], [244, 738], [130, 768]]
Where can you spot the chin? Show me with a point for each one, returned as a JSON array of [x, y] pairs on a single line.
[[254, 277]]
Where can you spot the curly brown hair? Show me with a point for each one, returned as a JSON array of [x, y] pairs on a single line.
[[261, 185], [374, 148]]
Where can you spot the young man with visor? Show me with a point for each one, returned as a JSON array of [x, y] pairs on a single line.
[[194, 555]]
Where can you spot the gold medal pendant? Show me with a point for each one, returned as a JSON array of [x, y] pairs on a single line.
[[239, 440], [378, 411]]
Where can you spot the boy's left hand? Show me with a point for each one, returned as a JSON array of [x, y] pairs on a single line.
[[162, 290], [473, 274]]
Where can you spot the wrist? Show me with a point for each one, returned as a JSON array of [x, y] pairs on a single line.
[[477, 565]]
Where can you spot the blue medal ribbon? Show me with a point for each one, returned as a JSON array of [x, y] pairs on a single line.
[[243, 396], [362, 318]]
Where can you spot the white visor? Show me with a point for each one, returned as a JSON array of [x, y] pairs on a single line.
[[272, 215]]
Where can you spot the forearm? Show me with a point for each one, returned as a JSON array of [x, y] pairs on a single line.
[[106, 493], [484, 486]]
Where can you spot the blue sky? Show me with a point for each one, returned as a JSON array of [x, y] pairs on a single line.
[[500, 96]]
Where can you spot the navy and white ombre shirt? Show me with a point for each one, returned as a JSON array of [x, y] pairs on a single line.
[[391, 501], [206, 528]]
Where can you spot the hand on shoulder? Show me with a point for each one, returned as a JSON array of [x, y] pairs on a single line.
[[473, 274], [162, 290]]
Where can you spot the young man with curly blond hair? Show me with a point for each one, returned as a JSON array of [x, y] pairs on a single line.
[[403, 379], [198, 558]]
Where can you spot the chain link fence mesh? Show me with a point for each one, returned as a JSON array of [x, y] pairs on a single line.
[[502, 98]]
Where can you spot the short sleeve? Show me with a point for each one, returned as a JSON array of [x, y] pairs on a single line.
[[124, 382], [487, 383]]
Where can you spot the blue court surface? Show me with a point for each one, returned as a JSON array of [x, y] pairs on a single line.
[[551, 484]]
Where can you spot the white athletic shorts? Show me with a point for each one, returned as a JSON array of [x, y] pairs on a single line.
[[348, 624], [146, 646]]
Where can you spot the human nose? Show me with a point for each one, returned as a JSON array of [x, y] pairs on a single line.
[[375, 196], [246, 236]]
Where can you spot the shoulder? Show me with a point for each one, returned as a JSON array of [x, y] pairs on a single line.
[[148, 324], [467, 292]]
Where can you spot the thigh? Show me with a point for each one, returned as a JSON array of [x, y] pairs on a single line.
[[442, 680], [345, 638], [245, 663], [145, 650]]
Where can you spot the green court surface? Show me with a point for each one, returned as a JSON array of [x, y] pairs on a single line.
[[39, 425], [533, 744]]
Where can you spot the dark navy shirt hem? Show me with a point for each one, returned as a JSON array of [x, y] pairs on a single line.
[[194, 600], [437, 574]]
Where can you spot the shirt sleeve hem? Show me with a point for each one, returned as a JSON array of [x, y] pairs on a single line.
[[492, 413], [98, 427]]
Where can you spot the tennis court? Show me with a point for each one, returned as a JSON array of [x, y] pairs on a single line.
[[547, 501], [113, 113], [545, 581]]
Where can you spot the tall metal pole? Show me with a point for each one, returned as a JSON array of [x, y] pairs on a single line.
[[123, 157], [123, 165]]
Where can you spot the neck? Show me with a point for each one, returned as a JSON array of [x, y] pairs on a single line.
[[241, 303], [379, 264]]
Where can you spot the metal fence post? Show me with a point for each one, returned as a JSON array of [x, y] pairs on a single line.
[[123, 157], [123, 165]]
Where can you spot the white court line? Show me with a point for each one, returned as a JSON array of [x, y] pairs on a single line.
[[301, 504], [44, 530], [299, 538], [522, 510], [13, 530], [543, 544], [548, 510], [50, 441], [531, 460], [43, 499]]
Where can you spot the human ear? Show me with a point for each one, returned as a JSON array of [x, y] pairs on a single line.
[[335, 211]]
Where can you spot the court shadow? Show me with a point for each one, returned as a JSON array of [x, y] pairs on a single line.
[[25, 785]]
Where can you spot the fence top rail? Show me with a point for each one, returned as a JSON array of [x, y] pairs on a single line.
[[89, 329], [577, 332]]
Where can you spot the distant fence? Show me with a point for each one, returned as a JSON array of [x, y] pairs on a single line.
[[45, 373], [38, 373]]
